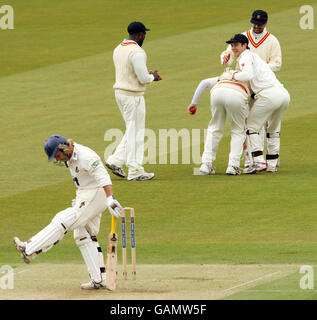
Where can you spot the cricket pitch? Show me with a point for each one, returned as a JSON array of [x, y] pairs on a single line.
[[179, 281]]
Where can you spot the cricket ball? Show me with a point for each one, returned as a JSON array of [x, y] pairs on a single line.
[[192, 110]]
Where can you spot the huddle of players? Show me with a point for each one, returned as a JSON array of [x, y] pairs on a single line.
[[251, 97]]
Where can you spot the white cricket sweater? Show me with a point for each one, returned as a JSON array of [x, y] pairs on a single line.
[[265, 45], [131, 71]]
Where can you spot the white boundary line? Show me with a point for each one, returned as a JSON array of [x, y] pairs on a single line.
[[251, 281]]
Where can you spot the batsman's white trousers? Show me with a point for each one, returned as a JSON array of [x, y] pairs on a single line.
[[270, 105], [84, 218], [86, 213], [231, 103], [130, 151]]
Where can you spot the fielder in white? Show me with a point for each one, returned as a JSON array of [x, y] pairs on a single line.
[[228, 98], [94, 194], [266, 45], [271, 101], [132, 76]]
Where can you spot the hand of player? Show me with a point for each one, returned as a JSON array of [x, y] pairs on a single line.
[[226, 59], [114, 206], [226, 75], [157, 77], [192, 108]]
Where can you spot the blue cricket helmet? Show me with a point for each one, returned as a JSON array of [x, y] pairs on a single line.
[[52, 145]]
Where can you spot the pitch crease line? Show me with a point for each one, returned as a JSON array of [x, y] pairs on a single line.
[[251, 281], [22, 271]]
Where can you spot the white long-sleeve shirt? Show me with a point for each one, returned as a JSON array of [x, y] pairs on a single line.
[[265, 45], [87, 169], [255, 70], [138, 61], [206, 84]]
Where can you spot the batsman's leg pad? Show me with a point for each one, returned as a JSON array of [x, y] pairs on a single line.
[[89, 252], [101, 258], [51, 234]]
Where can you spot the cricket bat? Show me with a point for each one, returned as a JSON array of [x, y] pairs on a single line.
[[111, 279]]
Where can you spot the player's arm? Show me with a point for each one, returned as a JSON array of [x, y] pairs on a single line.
[[206, 84], [227, 58], [138, 61], [275, 60], [247, 70]]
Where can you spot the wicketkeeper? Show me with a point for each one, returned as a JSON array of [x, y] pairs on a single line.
[[94, 194]]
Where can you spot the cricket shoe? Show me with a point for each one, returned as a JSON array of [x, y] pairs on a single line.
[[141, 177], [118, 171], [21, 248], [271, 168], [206, 168], [247, 164], [92, 285], [256, 167], [233, 171]]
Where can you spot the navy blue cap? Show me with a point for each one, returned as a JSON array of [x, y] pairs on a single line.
[[136, 27], [239, 38], [51, 146], [259, 17]]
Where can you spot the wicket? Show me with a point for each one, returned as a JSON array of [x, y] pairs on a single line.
[[124, 243]]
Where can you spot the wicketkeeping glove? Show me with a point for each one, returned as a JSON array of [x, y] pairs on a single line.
[[114, 206]]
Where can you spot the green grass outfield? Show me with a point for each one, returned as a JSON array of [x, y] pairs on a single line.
[[56, 76]]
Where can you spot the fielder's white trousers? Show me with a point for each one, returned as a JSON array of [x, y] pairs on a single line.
[[271, 142], [130, 151], [84, 219], [231, 103], [270, 105]]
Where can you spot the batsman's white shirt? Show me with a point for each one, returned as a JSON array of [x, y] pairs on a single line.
[[255, 70], [87, 169]]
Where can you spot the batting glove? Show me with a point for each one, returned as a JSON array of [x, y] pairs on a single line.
[[114, 206]]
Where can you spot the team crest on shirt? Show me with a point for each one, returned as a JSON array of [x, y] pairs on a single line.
[[242, 65], [95, 164]]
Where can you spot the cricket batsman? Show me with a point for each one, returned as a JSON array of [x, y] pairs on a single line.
[[93, 195], [270, 103], [267, 46]]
